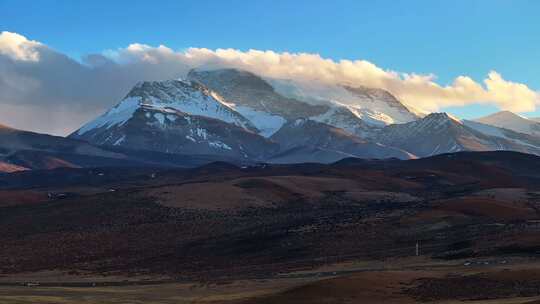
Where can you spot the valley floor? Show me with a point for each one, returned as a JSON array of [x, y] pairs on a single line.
[[408, 280]]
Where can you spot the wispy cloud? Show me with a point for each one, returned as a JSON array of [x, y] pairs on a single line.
[[48, 84]]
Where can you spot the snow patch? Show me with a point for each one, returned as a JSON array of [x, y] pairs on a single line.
[[299, 122], [160, 117], [266, 123], [372, 117], [219, 145], [119, 141], [200, 132], [118, 115]]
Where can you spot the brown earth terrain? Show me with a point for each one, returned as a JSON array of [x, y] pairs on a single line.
[[307, 233]]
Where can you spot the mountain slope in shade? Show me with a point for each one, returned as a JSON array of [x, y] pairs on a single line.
[[512, 121], [23, 150], [440, 133], [301, 139], [308, 154], [12, 140], [189, 119], [20, 150]]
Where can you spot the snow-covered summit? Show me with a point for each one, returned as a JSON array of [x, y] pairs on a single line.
[[177, 116], [355, 110], [512, 121], [169, 96], [435, 121], [374, 106]]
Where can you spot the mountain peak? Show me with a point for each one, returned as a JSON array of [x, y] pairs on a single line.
[[511, 121], [504, 114], [235, 77], [166, 90], [441, 117], [171, 97], [374, 93]]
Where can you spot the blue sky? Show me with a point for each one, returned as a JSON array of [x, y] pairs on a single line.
[[446, 38]]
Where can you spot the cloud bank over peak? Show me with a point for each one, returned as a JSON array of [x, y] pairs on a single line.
[[47, 86], [419, 91]]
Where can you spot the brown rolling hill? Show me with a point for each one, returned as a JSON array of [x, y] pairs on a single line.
[[221, 220]]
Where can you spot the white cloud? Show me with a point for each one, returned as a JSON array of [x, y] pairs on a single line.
[[420, 91], [17, 47], [37, 77]]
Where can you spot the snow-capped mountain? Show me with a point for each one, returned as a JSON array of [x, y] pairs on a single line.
[[441, 133], [257, 99], [512, 121], [249, 90], [176, 117], [358, 110], [239, 115], [376, 107], [253, 97], [168, 96]]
